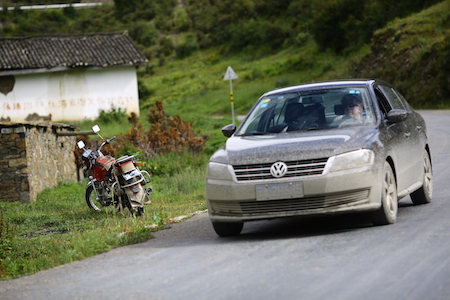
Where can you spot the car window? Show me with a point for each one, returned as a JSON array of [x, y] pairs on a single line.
[[403, 100], [394, 97], [384, 105], [308, 110]]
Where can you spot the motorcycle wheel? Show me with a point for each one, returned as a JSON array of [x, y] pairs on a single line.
[[139, 211], [94, 204]]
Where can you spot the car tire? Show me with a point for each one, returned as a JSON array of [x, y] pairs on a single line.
[[387, 213], [224, 229], [425, 193]]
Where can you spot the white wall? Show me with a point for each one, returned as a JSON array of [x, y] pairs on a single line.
[[71, 95]]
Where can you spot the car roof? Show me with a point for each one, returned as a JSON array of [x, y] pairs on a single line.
[[325, 84]]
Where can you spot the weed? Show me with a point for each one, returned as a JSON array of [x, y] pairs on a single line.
[[159, 217], [6, 242], [112, 116]]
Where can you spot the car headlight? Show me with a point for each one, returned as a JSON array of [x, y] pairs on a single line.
[[219, 171], [353, 160]]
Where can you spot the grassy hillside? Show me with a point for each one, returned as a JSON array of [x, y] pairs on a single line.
[[414, 54], [194, 86], [269, 44]]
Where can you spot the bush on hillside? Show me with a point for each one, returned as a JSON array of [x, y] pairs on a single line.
[[342, 24], [165, 46], [182, 22], [144, 33], [187, 47], [411, 55], [257, 32], [330, 25]]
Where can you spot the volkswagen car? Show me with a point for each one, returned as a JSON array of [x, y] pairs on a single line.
[[320, 148]]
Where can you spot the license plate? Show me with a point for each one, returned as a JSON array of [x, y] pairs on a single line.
[[276, 191]]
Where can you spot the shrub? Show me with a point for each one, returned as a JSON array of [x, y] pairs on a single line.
[[182, 20], [70, 12], [112, 116], [144, 33], [165, 46], [190, 45], [257, 32], [166, 134], [327, 26], [56, 16]]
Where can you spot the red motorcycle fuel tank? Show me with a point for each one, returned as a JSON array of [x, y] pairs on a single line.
[[99, 173]]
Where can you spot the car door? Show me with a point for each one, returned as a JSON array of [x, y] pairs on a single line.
[[405, 143]]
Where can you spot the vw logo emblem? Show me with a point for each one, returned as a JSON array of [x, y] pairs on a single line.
[[278, 169]]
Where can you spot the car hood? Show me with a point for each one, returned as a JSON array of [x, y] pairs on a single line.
[[241, 150]]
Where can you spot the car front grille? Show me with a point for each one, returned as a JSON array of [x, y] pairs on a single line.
[[297, 168], [265, 208]]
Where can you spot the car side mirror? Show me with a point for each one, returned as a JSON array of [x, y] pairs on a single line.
[[229, 130], [397, 115]]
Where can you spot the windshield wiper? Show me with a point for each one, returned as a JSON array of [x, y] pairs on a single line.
[[256, 133]]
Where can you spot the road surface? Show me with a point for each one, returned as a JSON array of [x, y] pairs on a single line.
[[341, 257]]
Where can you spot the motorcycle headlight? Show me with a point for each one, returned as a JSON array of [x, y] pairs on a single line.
[[219, 171], [353, 160]]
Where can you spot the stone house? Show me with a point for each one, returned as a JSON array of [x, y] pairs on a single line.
[[34, 156], [68, 77]]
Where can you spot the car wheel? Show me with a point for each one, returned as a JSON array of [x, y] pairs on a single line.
[[425, 193], [387, 213], [224, 229]]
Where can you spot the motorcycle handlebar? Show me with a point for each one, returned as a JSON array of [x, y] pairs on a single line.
[[107, 141]]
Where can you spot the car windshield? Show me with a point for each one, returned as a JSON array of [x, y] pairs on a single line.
[[309, 110]]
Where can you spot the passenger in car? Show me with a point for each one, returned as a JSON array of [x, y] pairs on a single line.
[[291, 114]]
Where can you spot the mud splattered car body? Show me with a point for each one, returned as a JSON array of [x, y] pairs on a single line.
[[300, 151]]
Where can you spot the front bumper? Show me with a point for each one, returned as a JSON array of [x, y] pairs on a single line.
[[334, 192]]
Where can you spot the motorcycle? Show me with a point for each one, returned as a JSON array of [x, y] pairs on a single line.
[[114, 183]]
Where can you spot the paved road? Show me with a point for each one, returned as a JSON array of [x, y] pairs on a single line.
[[320, 258]]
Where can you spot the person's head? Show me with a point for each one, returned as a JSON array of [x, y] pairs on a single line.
[[352, 106], [293, 111]]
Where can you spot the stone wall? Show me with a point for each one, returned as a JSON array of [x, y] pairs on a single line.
[[33, 156]]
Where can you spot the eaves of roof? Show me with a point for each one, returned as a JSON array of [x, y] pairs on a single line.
[[49, 53]]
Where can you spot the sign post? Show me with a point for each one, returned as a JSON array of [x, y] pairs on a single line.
[[230, 75]]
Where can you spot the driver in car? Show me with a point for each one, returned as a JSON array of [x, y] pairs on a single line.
[[353, 109]]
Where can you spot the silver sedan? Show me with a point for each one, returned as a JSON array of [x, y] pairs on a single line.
[[321, 148]]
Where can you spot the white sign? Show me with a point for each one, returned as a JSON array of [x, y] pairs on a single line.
[[230, 74]]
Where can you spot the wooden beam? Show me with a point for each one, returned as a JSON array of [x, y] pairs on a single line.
[[72, 133]]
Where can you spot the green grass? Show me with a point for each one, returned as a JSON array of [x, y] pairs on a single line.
[[59, 227]]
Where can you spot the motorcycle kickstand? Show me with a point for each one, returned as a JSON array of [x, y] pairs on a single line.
[[119, 195], [120, 205]]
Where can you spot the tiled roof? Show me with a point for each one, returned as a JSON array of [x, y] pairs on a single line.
[[98, 50]]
